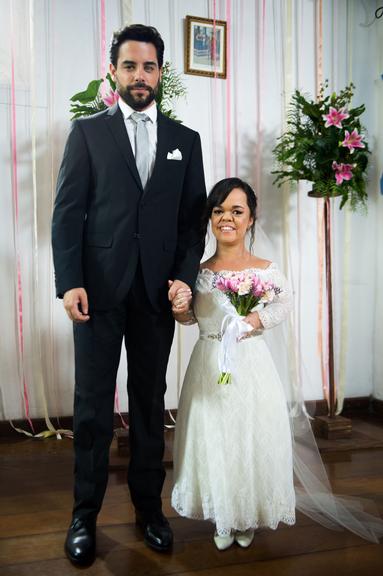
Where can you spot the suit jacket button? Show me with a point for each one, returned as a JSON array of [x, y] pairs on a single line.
[[136, 236]]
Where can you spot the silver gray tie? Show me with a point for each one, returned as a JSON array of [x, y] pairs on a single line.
[[142, 145]]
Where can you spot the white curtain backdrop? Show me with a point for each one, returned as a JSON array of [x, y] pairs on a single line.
[[55, 47]]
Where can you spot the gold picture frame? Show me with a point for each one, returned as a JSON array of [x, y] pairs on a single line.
[[200, 48]]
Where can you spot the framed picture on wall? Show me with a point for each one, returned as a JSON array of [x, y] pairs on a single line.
[[205, 49]]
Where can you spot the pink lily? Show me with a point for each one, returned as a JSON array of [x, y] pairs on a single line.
[[335, 117], [353, 140], [342, 172], [111, 98]]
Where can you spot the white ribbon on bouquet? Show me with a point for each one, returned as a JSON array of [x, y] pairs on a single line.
[[233, 327]]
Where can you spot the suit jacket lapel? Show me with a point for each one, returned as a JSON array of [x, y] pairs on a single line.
[[115, 122]]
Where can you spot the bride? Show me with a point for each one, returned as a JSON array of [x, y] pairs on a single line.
[[244, 455]]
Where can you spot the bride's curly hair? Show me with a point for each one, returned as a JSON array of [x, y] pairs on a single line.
[[218, 195]]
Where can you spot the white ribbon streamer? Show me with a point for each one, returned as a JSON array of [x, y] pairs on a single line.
[[126, 12], [232, 328]]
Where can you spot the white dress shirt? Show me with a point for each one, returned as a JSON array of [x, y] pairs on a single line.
[[151, 125]]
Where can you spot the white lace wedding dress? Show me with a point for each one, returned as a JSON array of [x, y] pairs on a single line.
[[233, 458]]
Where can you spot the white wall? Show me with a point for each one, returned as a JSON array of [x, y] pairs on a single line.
[[67, 56]]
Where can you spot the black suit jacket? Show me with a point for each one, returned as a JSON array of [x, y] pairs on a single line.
[[103, 220]]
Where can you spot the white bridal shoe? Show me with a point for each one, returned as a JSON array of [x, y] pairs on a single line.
[[244, 539], [223, 542]]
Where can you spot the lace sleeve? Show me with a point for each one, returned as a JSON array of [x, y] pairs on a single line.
[[186, 319], [275, 312]]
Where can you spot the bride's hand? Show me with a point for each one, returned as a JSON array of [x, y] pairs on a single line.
[[254, 320]]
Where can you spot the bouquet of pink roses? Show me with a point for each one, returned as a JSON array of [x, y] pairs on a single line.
[[245, 290]]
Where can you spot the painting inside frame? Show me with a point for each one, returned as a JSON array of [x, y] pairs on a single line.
[[205, 53]]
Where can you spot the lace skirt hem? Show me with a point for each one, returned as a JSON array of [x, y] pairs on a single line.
[[223, 528]]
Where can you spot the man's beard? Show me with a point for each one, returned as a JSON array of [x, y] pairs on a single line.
[[140, 100]]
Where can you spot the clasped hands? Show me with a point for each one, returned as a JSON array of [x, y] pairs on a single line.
[[180, 296]]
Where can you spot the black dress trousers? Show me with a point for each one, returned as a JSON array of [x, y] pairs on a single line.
[[148, 338]]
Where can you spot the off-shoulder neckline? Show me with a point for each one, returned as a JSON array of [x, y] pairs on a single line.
[[204, 269]]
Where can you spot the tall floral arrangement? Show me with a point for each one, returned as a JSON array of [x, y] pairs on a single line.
[[101, 94], [325, 144]]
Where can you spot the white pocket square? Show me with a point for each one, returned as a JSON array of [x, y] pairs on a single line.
[[175, 155]]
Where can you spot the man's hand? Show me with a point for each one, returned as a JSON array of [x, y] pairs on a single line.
[[76, 304], [180, 296]]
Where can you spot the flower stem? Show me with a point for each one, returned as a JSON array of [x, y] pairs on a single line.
[[224, 378]]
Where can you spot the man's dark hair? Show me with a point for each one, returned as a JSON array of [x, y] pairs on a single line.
[[218, 195], [140, 33]]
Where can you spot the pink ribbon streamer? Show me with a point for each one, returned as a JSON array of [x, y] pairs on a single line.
[[228, 90], [15, 196], [117, 409], [260, 86], [103, 89], [103, 46], [214, 46], [214, 120]]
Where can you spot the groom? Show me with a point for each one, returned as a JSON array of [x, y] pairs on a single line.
[[126, 225]]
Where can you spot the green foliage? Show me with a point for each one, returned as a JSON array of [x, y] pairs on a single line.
[[171, 88], [90, 101], [89, 94], [307, 149]]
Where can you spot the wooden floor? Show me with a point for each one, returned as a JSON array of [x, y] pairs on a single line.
[[36, 499]]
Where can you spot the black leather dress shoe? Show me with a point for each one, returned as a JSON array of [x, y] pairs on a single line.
[[157, 532], [80, 543]]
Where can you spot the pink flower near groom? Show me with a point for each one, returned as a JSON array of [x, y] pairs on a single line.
[[111, 98]]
